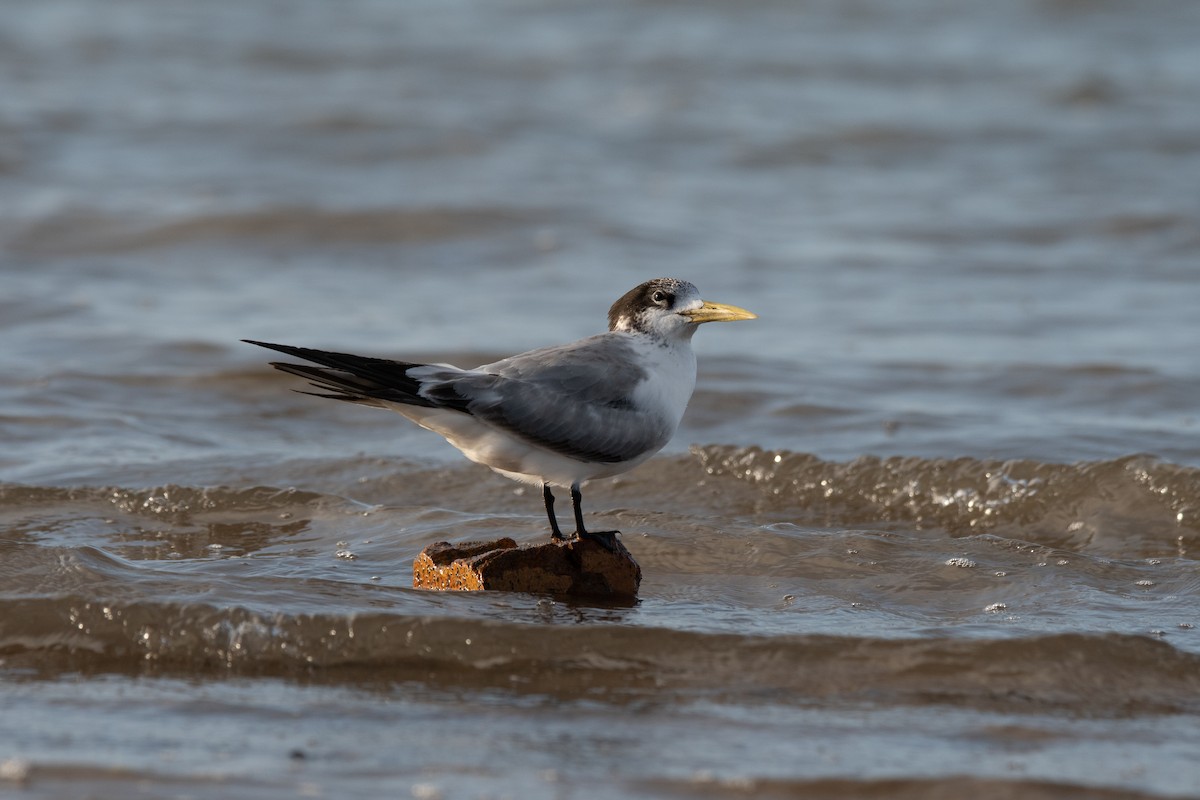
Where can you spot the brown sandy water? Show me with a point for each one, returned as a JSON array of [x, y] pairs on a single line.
[[930, 526]]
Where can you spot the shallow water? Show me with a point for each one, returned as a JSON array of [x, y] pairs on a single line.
[[929, 528]]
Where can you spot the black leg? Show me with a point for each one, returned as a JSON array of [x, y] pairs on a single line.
[[603, 538], [555, 533], [576, 506]]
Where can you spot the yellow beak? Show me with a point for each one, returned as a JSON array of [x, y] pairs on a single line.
[[718, 312]]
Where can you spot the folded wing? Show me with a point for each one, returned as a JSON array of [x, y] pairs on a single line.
[[575, 400]]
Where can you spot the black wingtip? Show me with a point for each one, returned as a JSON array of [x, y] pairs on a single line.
[[357, 379], [280, 348], [329, 359]]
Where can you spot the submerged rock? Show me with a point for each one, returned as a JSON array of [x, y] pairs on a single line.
[[574, 567]]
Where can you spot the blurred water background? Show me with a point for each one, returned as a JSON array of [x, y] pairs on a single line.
[[929, 528]]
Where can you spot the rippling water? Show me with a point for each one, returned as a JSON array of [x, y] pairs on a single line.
[[930, 526]]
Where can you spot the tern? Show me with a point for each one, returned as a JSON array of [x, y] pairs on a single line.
[[555, 416]]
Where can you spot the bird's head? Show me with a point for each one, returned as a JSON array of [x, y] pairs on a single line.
[[668, 307]]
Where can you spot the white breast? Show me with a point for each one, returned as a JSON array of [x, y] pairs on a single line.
[[671, 367]]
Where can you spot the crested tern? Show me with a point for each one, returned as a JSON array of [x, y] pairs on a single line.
[[558, 416]]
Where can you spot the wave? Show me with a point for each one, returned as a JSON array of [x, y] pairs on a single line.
[[952, 786], [1137, 505], [1106, 674], [170, 501], [1069, 505], [199, 519], [98, 232]]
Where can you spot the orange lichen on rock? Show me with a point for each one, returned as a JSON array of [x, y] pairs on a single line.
[[575, 567]]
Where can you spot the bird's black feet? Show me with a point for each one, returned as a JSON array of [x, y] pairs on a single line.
[[555, 532], [606, 539]]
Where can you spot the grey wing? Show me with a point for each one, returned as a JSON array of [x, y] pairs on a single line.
[[600, 369], [575, 400]]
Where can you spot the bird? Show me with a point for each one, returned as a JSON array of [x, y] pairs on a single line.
[[558, 416]]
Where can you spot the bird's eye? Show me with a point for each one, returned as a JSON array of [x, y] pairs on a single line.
[[659, 296]]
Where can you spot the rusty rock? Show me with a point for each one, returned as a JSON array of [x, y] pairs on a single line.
[[574, 567]]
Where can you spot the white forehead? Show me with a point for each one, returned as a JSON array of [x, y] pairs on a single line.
[[687, 296]]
